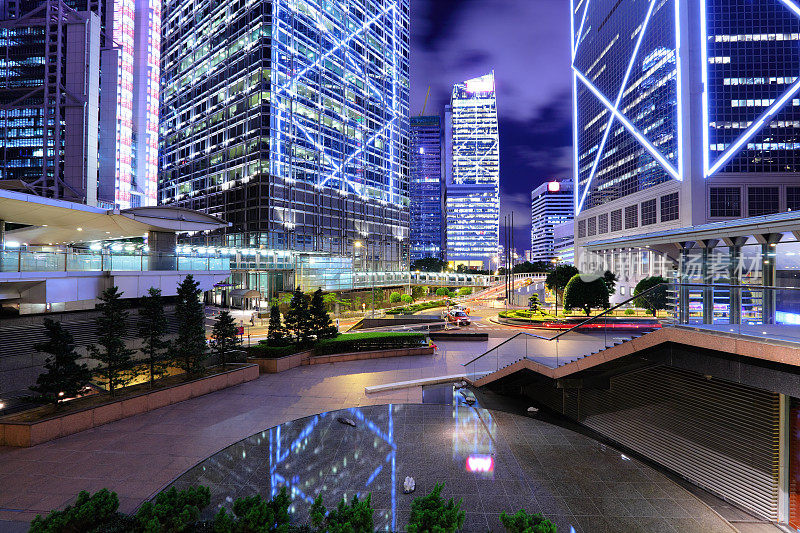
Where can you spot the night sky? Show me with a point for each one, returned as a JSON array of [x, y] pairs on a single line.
[[526, 42]]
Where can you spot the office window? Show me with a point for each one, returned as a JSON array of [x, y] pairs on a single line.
[[591, 226], [616, 220], [762, 201], [726, 201], [793, 198], [649, 212], [670, 209], [632, 216], [602, 222], [582, 228]]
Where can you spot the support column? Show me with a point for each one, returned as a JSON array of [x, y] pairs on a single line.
[[162, 250], [2, 234], [768, 298], [708, 280], [683, 278]]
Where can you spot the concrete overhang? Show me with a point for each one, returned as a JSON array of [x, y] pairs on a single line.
[[59, 221], [724, 230]]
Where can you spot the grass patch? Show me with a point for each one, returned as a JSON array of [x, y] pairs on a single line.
[[415, 308]]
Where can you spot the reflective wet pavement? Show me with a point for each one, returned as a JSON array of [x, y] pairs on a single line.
[[494, 461]]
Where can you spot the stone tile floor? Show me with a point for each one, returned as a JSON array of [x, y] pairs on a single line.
[[492, 460], [138, 456]]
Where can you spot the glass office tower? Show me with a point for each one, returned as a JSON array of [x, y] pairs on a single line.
[[79, 99], [289, 119], [472, 186], [685, 113], [551, 205], [426, 187]]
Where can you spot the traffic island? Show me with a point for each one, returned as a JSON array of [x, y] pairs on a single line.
[[43, 424]]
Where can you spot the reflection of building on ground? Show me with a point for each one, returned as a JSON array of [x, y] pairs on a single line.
[[56, 257]]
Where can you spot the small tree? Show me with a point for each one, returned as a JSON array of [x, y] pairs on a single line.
[[406, 299], [190, 345], [152, 328], [253, 514], [357, 517], [224, 337], [88, 513], [64, 376], [586, 295], [429, 264], [418, 291], [442, 291], [558, 278], [534, 304], [321, 322], [298, 319], [174, 510], [114, 356], [276, 334], [432, 513], [611, 281], [394, 297], [465, 291], [655, 300], [522, 522], [379, 295]]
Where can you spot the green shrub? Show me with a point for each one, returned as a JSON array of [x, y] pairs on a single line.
[[394, 297], [522, 522], [431, 513], [174, 511], [406, 299], [87, 514], [354, 518], [630, 312], [377, 340], [255, 515], [465, 291], [263, 351], [442, 291]]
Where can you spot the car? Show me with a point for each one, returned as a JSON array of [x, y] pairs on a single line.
[[458, 317]]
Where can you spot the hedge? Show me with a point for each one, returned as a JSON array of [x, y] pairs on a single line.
[[367, 341], [411, 309], [262, 351]]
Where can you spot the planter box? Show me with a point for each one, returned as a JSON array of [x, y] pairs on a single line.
[[273, 365], [279, 364], [32, 433], [376, 354]]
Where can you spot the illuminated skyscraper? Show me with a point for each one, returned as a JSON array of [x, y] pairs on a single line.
[[551, 204], [290, 120], [686, 112], [472, 166], [426, 187], [79, 99]]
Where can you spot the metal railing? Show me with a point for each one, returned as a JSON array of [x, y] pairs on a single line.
[[583, 337], [89, 261], [766, 312]]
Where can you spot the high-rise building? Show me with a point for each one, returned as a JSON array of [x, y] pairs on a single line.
[[425, 188], [686, 112], [472, 169], [290, 120], [79, 99], [551, 204]]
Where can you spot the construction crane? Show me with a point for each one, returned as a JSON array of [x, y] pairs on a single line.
[[425, 103]]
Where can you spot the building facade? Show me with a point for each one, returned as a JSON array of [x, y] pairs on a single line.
[[425, 188], [655, 153], [78, 100], [551, 205], [472, 170], [290, 120]]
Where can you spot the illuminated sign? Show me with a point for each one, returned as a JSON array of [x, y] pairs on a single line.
[[553, 186], [484, 84]]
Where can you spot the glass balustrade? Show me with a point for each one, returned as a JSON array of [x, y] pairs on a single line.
[[80, 261]]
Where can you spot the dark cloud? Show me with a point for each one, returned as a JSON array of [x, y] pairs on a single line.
[[526, 43]]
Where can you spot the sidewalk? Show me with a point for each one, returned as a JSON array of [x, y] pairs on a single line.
[[138, 456]]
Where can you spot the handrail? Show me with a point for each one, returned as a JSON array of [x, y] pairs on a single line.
[[588, 320]]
